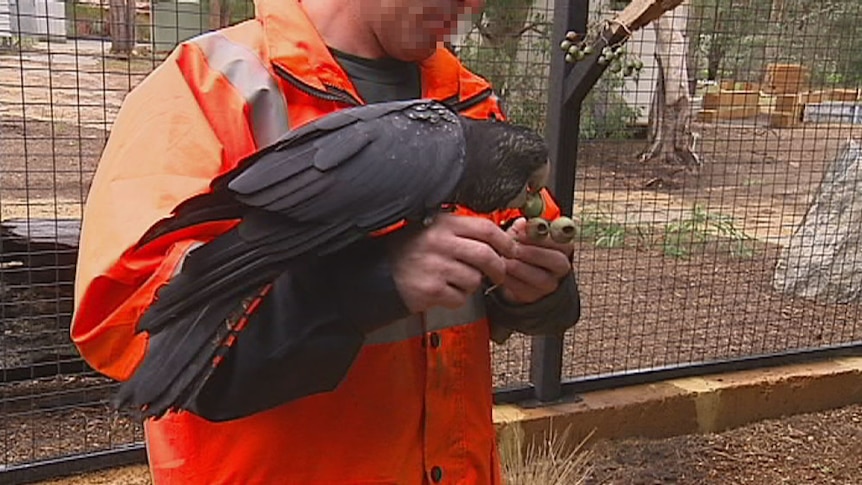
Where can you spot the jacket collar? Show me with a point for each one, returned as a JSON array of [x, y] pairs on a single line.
[[296, 47]]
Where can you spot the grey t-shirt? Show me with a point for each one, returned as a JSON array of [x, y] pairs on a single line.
[[380, 80]]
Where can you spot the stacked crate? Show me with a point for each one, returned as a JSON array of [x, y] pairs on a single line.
[[732, 101], [786, 83]]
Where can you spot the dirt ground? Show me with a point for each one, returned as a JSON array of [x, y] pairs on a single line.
[[817, 448], [644, 308], [641, 307]]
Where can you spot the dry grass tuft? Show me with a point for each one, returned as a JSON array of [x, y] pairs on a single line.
[[551, 461]]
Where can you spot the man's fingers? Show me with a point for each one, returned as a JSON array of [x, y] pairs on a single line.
[[518, 230], [451, 284], [520, 292], [451, 297], [437, 282], [479, 256], [548, 259], [484, 231], [462, 277], [538, 279], [440, 293]]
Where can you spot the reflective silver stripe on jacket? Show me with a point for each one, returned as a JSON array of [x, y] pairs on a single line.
[[245, 71], [435, 319]]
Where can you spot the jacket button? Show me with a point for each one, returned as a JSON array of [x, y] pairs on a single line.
[[436, 474], [435, 339]]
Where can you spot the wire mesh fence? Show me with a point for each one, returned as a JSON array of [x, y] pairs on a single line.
[[510, 46], [58, 96], [719, 236], [717, 219]]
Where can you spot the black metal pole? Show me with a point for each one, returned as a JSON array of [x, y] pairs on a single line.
[[561, 132]]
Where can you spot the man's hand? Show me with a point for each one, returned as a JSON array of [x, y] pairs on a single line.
[[537, 267], [445, 263]]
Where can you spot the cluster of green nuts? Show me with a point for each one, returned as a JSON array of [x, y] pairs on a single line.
[[616, 57], [575, 48], [561, 229]]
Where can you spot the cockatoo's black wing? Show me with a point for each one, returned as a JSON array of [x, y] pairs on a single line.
[[315, 194], [324, 187], [302, 145]]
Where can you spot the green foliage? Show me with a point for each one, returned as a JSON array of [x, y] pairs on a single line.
[[85, 20], [509, 46], [605, 114], [677, 239], [602, 230], [16, 43], [91, 20], [700, 227], [737, 39], [618, 4], [241, 10]]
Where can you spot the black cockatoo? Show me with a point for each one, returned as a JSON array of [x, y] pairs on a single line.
[[326, 185]]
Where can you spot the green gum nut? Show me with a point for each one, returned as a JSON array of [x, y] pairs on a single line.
[[562, 230], [534, 206], [537, 228]]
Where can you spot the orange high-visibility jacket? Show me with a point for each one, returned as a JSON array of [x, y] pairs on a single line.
[[415, 407]]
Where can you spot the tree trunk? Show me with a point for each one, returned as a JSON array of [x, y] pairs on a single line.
[[775, 32], [504, 21], [122, 24], [670, 113], [502, 27], [224, 13], [713, 61], [215, 14], [219, 16]]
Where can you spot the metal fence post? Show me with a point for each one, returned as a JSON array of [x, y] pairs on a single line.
[[561, 131]]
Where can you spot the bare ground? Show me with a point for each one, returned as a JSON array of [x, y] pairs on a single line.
[[819, 448]]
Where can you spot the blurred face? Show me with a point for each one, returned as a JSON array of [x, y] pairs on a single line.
[[411, 29]]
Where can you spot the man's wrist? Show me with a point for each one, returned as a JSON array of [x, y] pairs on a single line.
[[554, 313]]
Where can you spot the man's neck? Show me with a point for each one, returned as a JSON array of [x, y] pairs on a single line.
[[340, 25]]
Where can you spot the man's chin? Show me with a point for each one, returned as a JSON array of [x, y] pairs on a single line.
[[415, 53]]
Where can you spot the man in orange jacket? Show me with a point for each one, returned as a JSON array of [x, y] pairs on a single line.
[[414, 406]]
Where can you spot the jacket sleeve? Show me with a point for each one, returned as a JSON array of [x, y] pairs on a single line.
[[313, 320], [161, 151], [552, 315]]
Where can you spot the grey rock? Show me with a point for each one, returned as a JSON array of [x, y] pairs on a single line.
[[823, 259]]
